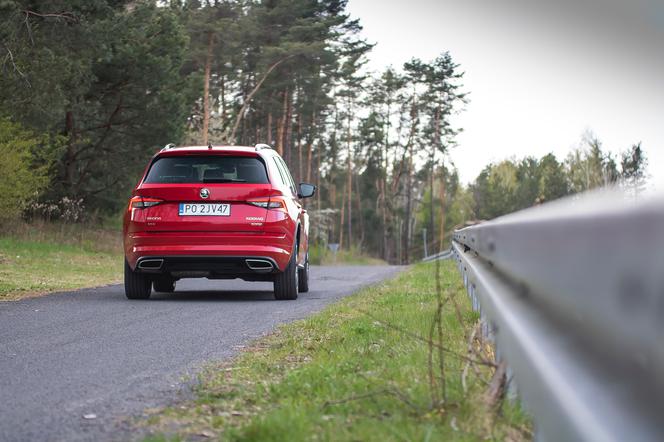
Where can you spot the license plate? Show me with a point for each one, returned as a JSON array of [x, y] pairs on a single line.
[[204, 209]]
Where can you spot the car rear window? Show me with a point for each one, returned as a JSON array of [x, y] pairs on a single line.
[[207, 169]]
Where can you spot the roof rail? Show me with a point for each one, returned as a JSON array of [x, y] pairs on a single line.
[[169, 146], [260, 146]]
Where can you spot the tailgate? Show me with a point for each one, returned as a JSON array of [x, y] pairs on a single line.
[[238, 213]]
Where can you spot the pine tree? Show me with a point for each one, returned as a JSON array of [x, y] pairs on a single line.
[[633, 166]]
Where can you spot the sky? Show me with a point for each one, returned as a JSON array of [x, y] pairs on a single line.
[[540, 73]]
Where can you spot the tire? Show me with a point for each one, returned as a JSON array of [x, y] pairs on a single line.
[[285, 283], [164, 285], [303, 276], [137, 285]]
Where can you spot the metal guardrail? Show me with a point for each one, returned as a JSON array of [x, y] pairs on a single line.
[[572, 293], [445, 254]]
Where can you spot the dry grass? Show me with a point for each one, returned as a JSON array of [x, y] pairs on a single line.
[[39, 258]]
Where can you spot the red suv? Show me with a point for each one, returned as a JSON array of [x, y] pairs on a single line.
[[216, 212]]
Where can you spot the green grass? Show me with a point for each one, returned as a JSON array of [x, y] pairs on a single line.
[[42, 257], [353, 372], [319, 255]]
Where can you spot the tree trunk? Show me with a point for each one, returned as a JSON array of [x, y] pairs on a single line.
[[288, 129], [318, 177], [299, 148], [243, 138], [383, 189], [432, 210], [411, 137], [399, 244], [281, 124], [206, 89], [435, 145], [310, 142], [409, 198], [359, 210], [268, 138], [309, 159], [442, 204], [341, 224], [382, 197], [349, 185], [350, 175], [70, 154], [222, 92]]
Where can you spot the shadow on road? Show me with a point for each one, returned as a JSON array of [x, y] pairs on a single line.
[[215, 296]]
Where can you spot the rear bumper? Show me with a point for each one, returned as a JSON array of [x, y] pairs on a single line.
[[222, 253], [256, 268]]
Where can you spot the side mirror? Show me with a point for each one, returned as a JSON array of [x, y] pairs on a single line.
[[306, 190]]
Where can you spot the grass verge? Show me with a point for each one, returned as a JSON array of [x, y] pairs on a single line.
[[39, 258], [359, 370], [319, 255]]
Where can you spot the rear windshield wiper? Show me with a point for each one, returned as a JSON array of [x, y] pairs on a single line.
[[223, 180]]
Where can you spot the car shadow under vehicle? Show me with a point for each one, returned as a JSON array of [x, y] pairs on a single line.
[[214, 296]]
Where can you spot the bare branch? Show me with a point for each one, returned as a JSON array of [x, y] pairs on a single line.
[[469, 364], [496, 389], [68, 16], [387, 391], [240, 114], [28, 28], [10, 55], [423, 339]]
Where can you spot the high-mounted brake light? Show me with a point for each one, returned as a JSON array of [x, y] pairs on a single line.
[[274, 203], [142, 202]]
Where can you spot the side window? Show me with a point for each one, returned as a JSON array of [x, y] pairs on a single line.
[[284, 173], [280, 174], [288, 176]]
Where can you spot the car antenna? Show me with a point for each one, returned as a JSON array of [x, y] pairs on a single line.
[[209, 145]]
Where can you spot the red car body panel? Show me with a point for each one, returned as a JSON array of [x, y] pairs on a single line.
[[249, 231]]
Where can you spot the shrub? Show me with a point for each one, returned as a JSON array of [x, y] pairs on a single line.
[[22, 178]]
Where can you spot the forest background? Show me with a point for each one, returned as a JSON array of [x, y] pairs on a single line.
[[91, 89]]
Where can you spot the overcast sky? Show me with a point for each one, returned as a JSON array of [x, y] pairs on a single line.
[[540, 73]]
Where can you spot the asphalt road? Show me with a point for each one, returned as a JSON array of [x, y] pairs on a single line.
[[93, 352]]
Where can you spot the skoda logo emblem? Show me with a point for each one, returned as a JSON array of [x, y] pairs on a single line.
[[205, 193]]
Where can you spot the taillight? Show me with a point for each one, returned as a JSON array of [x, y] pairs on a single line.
[[142, 202], [274, 203]]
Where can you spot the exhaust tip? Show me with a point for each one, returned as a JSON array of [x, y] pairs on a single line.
[[150, 264], [259, 265]]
